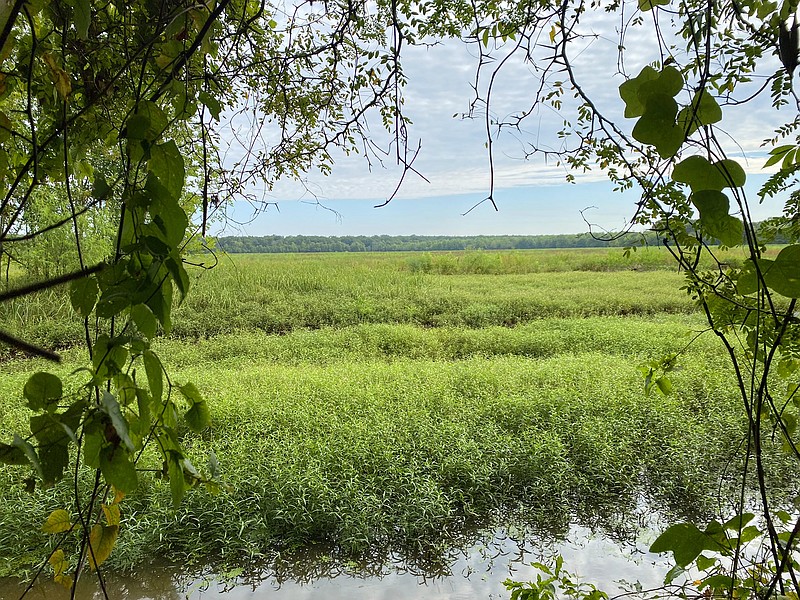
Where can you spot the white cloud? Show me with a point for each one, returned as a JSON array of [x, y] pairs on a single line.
[[453, 154]]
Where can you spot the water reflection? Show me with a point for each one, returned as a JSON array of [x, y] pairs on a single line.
[[477, 572]]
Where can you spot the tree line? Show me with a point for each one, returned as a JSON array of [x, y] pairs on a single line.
[[424, 243], [276, 244]]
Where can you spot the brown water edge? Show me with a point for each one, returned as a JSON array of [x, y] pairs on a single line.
[[474, 573]]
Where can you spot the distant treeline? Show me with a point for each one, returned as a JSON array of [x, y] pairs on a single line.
[[423, 243]]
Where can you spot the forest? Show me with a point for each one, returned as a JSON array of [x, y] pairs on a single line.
[[427, 243]]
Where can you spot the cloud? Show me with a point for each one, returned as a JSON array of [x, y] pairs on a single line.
[[454, 157]]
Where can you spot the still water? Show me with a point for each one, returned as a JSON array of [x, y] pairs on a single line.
[[475, 573]]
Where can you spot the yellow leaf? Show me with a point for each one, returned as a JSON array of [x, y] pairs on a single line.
[[57, 522], [65, 580], [553, 34], [101, 542], [112, 514], [59, 563], [118, 495], [59, 75]]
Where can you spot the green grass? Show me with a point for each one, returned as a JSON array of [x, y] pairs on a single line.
[[277, 294], [400, 409], [283, 293], [333, 436]]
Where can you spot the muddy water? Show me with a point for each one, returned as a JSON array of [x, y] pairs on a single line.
[[476, 573]]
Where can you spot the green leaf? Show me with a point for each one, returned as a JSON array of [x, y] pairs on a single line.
[[112, 513], [179, 275], [789, 158], [160, 303], [137, 127], [150, 122], [198, 416], [6, 127], [673, 574], [115, 299], [191, 393], [167, 215], [749, 534], [747, 281], [30, 452], [211, 103], [657, 125], [702, 175], [778, 154], [703, 110], [698, 173], [650, 96], [783, 275], [117, 468], [12, 455], [53, 447], [730, 231], [177, 484], [100, 187], [82, 15], [126, 389], [112, 408], [83, 295], [668, 82], [166, 163], [629, 92], [92, 444], [155, 245], [143, 402], [43, 391], [722, 583], [708, 110], [784, 516], [738, 522], [60, 565], [145, 320], [213, 465], [109, 356], [732, 172], [155, 374], [713, 207], [704, 562], [57, 522], [685, 541], [647, 5]]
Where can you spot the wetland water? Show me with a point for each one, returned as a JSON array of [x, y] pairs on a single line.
[[477, 573]]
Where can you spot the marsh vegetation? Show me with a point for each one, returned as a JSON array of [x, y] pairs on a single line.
[[367, 406]]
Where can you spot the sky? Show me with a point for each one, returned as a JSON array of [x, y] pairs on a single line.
[[532, 196]]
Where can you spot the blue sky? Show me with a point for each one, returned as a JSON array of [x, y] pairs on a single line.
[[534, 210], [531, 195]]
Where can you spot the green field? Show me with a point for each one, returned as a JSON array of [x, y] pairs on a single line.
[[379, 403]]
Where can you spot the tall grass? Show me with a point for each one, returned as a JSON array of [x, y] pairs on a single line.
[[547, 261], [277, 294], [283, 293]]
